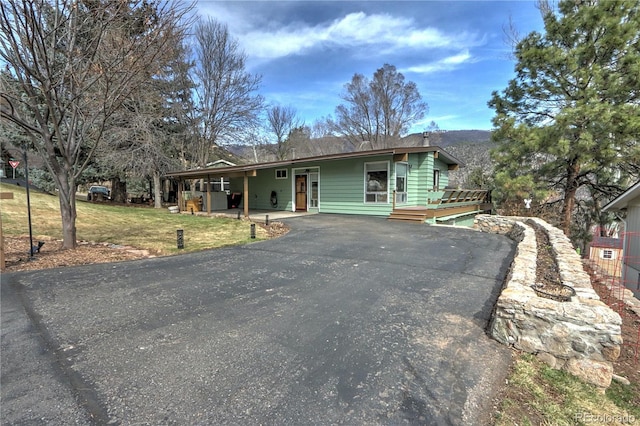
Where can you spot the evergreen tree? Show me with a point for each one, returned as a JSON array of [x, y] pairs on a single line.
[[148, 137], [571, 117]]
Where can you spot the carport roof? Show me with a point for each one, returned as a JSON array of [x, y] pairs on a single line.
[[249, 169]]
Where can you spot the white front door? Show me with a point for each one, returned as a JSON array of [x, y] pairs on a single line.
[[401, 183]]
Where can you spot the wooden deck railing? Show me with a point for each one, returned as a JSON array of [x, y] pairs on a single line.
[[464, 195]]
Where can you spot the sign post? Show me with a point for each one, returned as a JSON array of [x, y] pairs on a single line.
[[26, 177], [14, 164]]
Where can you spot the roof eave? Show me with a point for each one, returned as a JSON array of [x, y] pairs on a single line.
[[623, 199], [240, 170]]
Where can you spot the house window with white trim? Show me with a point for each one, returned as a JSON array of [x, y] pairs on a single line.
[[607, 254], [376, 182], [436, 179], [281, 174]]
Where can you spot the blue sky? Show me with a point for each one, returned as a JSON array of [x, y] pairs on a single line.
[[306, 51]]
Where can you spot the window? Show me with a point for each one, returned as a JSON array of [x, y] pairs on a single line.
[[401, 182], [376, 182], [220, 185], [313, 197], [281, 174], [607, 254], [436, 180]]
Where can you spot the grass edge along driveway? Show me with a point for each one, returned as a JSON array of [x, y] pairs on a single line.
[[144, 228]]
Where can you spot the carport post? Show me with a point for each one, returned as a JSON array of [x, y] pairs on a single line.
[[180, 189], [246, 195], [209, 194]]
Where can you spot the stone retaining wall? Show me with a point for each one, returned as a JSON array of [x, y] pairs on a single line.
[[581, 336]]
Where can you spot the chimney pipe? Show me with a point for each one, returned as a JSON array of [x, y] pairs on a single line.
[[425, 139]]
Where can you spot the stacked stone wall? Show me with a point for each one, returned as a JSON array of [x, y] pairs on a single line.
[[581, 336]]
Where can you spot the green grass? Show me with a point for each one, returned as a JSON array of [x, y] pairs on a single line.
[[539, 394], [144, 228], [626, 397]]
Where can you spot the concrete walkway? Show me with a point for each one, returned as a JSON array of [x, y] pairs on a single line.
[[255, 215], [345, 320]]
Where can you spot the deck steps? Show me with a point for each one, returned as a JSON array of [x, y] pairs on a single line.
[[409, 215]]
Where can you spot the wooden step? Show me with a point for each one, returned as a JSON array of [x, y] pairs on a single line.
[[409, 215]]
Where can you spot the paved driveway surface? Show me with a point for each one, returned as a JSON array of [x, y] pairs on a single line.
[[346, 320]]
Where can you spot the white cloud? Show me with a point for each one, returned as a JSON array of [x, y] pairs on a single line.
[[446, 64], [354, 30]]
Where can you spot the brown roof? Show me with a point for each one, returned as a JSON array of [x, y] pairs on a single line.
[[242, 170], [606, 242]]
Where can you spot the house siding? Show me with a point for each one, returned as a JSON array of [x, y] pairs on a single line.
[[342, 187], [260, 188], [417, 178], [444, 173], [632, 279], [466, 221], [632, 250]]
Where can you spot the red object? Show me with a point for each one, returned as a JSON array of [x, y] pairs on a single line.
[[14, 164]]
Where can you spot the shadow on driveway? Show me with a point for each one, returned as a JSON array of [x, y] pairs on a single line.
[[345, 320]]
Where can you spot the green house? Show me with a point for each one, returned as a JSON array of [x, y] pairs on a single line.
[[409, 183]]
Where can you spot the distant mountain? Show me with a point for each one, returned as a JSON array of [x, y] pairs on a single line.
[[444, 139], [457, 137], [466, 145]]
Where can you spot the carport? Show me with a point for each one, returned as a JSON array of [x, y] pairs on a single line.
[[208, 175]]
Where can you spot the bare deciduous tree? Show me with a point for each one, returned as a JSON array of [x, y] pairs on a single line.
[[378, 112], [70, 66], [281, 122], [226, 103]]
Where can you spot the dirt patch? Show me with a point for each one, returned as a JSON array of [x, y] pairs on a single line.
[[52, 255], [548, 282], [275, 229]]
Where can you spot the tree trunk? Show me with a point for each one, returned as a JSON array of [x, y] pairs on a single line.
[[68, 214], [569, 196], [118, 190], [67, 198], [157, 190]]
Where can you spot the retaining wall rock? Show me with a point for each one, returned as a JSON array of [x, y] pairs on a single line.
[[581, 336]]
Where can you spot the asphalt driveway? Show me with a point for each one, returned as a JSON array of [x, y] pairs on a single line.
[[345, 320]]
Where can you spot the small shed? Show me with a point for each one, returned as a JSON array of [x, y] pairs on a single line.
[[606, 253]]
